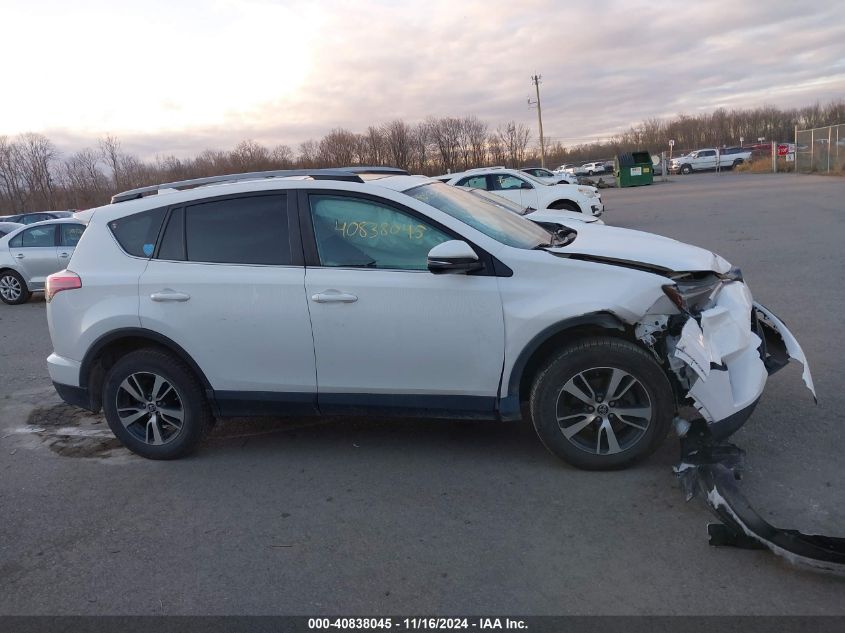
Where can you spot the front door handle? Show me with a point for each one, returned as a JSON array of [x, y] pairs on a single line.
[[334, 296], [63, 255], [169, 295], [20, 256]]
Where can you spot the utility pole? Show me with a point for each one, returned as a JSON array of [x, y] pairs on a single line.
[[535, 79]]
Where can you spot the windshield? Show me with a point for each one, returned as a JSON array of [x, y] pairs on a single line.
[[499, 201], [533, 179], [491, 219]]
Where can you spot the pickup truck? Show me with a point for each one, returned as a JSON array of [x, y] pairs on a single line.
[[710, 158]]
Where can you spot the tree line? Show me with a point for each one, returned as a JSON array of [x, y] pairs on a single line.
[[35, 176]]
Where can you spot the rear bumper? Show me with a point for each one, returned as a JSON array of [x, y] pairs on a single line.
[[63, 370]]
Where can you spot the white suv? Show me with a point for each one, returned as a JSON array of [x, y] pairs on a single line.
[[320, 293], [529, 192]]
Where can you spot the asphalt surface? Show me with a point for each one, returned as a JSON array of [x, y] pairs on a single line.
[[356, 516]]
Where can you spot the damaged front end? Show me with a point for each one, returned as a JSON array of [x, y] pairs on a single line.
[[720, 347]]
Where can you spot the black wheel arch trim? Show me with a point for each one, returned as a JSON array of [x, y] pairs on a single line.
[[136, 332], [604, 320]]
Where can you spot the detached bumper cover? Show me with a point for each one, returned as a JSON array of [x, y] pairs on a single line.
[[712, 471]]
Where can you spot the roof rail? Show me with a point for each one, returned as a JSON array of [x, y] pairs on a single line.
[[347, 173], [376, 169]]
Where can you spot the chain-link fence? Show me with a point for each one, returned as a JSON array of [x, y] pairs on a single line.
[[820, 150]]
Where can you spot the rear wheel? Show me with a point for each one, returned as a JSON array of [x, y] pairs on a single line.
[[155, 405], [601, 403], [13, 288]]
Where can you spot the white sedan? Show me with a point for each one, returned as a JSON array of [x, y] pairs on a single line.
[[529, 192]]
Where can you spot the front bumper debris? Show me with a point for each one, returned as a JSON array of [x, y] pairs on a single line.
[[712, 470]]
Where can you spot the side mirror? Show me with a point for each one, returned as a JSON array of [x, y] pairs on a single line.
[[454, 256], [525, 185]]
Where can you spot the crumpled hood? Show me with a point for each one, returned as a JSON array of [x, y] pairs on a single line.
[[639, 247]]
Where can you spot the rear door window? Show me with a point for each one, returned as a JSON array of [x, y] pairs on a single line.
[[37, 236], [173, 241], [474, 182], [247, 230]]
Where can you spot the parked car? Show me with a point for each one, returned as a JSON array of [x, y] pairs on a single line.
[[38, 216], [711, 158], [575, 170], [531, 193], [8, 227], [549, 177], [541, 216], [30, 253], [401, 295], [564, 168], [591, 169]]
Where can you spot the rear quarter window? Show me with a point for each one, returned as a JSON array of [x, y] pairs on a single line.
[[137, 233]]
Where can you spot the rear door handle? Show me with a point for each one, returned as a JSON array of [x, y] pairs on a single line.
[[334, 296], [169, 295], [64, 255], [20, 256]]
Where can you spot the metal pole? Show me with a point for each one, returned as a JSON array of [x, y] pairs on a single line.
[[796, 149], [829, 139], [774, 157], [536, 80], [812, 148]]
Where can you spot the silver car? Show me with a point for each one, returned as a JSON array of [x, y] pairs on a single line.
[[30, 253]]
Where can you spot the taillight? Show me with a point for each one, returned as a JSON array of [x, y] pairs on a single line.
[[62, 280]]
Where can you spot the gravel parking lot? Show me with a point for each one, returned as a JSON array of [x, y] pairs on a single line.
[[352, 516]]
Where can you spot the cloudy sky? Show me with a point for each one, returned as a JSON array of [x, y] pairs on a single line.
[[179, 76]]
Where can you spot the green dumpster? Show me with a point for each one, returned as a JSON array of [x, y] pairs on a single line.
[[633, 169]]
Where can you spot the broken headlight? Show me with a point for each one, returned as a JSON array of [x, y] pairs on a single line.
[[692, 294]]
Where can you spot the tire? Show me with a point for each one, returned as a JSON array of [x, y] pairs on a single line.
[[643, 391], [565, 205], [152, 433], [13, 288], [737, 163], [686, 169]]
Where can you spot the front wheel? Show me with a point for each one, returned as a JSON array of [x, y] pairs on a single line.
[[686, 169], [565, 205], [155, 405], [601, 403], [13, 288]]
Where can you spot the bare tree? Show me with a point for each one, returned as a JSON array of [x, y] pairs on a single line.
[[309, 154], [398, 139], [420, 140], [282, 157], [337, 148], [514, 137], [36, 155]]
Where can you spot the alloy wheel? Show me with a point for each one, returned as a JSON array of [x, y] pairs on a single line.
[[150, 408], [10, 288], [603, 410]]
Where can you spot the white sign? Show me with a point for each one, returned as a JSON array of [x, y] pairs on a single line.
[[671, 142], [790, 157], [636, 171]]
